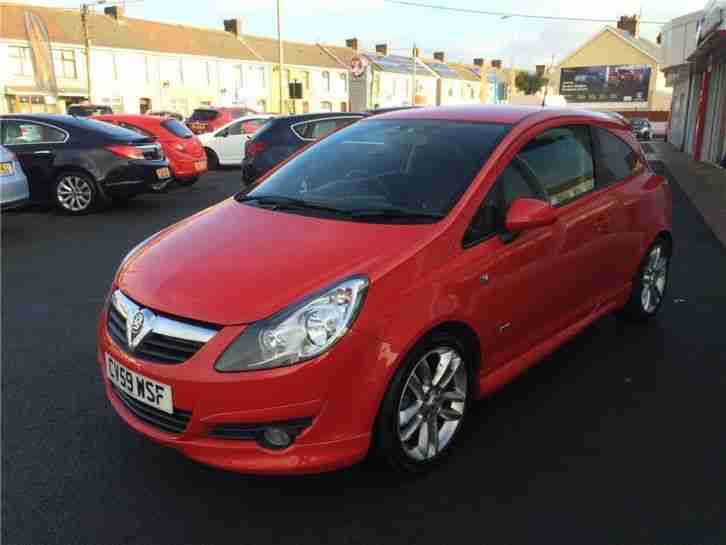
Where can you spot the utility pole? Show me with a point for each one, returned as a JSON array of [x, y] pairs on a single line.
[[413, 91], [279, 47], [547, 85], [87, 43]]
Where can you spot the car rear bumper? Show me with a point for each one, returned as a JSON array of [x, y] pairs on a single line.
[[187, 168], [135, 176]]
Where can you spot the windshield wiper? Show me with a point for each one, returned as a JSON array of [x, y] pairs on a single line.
[[278, 202], [396, 213]]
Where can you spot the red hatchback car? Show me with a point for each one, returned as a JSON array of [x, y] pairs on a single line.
[[187, 159], [368, 289], [210, 119]]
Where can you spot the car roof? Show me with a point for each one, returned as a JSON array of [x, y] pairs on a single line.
[[58, 119], [498, 113], [155, 119], [320, 115], [245, 118]]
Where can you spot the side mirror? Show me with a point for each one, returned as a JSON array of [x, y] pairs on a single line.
[[525, 214]]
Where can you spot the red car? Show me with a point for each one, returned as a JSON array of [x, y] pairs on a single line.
[[371, 287], [210, 119], [185, 153]]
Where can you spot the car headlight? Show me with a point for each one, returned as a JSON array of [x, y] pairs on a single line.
[[298, 333]]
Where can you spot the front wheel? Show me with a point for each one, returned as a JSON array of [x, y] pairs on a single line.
[[76, 193], [649, 284], [212, 159], [425, 406]]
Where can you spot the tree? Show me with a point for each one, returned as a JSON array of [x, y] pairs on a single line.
[[528, 83]]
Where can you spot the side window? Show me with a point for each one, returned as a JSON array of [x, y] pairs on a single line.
[[323, 127], [303, 130], [251, 125], [24, 132], [491, 216], [562, 160], [616, 159], [136, 129], [344, 122], [235, 129]]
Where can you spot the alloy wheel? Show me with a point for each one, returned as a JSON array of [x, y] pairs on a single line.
[[432, 404], [655, 276], [74, 193]]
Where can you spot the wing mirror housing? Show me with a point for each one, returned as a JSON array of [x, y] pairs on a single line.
[[526, 214]]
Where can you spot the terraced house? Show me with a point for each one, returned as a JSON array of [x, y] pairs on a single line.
[[138, 65]]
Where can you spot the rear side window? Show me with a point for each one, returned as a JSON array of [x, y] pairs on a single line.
[[176, 128], [616, 160], [562, 160], [135, 129], [204, 115], [251, 125], [314, 130], [16, 132]]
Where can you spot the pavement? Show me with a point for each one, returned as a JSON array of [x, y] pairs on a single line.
[[616, 439], [703, 183]]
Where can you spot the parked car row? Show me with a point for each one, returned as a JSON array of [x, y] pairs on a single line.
[[363, 294]]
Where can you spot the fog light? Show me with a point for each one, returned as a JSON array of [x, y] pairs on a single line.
[[277, 438]]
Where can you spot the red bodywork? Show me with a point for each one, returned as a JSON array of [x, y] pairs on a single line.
[[234, 264], [186, 155]]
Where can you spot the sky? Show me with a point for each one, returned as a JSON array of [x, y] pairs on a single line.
[[516, 41]]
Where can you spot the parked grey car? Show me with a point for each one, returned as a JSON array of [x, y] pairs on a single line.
[[14, 190]]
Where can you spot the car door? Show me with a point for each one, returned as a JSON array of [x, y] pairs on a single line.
[[248, 128], [561, 158], [512, 279], [229, 143], [36, 145]]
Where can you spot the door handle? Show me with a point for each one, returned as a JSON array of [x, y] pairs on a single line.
[[42, 152]]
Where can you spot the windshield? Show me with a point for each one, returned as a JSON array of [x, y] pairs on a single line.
[[176, 128], [204, 115], [416, 166]]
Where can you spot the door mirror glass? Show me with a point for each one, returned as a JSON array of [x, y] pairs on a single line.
[[525, 214]]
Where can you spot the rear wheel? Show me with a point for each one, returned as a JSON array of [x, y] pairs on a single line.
[[649, 284], [425, 405], [212, 159], [76, 193]]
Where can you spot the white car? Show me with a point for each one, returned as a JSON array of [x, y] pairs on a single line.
[[226, 145], [14, 190]]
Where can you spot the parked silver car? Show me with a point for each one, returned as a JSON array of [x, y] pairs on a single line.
[[14, 190]]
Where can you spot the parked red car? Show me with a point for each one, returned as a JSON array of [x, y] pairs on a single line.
[[367, 290], [210, 119], [185, 153]]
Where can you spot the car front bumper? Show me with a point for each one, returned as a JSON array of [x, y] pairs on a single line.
[[338, 392], [14, 191]]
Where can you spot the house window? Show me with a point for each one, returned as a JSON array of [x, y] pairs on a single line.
[[326, 106], [344, 79], [240, 76], [114, 66], [306, 80], [394, 90], [209, 72], [326, 81], [407, 87], [343, 106], [451, 90], [262, 105], [306, 107], [20, 62], [286, 76], [147, 69], [471, 92], [64, 62], [262, 78], [181, 71]]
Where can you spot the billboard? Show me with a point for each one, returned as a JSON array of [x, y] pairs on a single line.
[[615, 83]]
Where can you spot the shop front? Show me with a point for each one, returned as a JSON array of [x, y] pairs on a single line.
[[27, 100]]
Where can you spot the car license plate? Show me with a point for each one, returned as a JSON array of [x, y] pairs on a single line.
[[150, 392], [163, 173], [6, 169], [200, 165]]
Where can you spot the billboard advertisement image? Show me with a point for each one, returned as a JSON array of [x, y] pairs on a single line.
[[618, 83]]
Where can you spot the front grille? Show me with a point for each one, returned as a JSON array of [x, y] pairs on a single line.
[[156, 347], [172, 423], [253, 431]]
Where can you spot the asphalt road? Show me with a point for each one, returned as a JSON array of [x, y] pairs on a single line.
[[616, 439]]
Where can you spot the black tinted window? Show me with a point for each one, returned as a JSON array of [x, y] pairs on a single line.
[[617, 160], [491, 216], [204, 115], [422, 165], [17, 132], [134, 128], [176, 128], [107, 129], [561, 159]]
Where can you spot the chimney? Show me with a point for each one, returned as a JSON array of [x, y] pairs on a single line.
[[233, 26], [439, 56], [540, 68], [479, 62], [416, 53], [352, 43], [115, 12], [630, 24], [382, 49], [496, 63]]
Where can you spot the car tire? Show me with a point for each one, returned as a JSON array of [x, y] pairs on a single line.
[[650, 283], [187, 182], [417, 400], [76, 193], [212, 159]]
